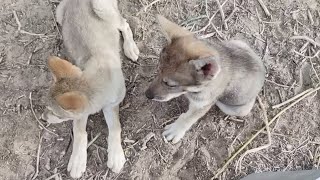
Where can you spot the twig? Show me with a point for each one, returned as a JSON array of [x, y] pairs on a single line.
[[26, 32], [53, 176], [223, 19], [93, 140], [17, 20], [55, 21], [310, 17], [210, 19], [291, 99], [314, 70], [38, 160], [222, 169], [280, 85], [266, 121], [35, 116], [307, 39], [264, 7], [310, 57], [145, 140], [149, 5]]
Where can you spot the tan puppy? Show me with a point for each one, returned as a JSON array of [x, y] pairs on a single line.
[[90, 31], [227, 74]]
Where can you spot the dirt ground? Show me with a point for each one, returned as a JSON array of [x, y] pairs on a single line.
[[292, 66]]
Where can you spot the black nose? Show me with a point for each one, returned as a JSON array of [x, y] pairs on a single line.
[[149, 94]]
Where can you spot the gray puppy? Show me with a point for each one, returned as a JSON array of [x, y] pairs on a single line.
[[227, 74]]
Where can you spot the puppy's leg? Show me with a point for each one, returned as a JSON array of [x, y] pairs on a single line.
[[116, 158], [108, 10], [176, 130], [129, 46], [60, 11], [241, 110], [78, 159]]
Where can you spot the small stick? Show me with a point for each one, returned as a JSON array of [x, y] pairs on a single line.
[[223, 19], [231, 14], [149, 5], [38, 160], [307, 39], [266, 121], [211, 18], [310, 57], [264, 7], [310, 17], [280, 85], [53, 176], [146, 139], [291, 99], [93, 140], [19, 26], [222, 169], [314, 70], [304, 46], [35, 116]]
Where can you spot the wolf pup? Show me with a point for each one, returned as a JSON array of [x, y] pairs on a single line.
[[94, 81], [227, 74]]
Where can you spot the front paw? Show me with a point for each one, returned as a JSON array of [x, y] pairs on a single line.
[[77, 163], [174, 132], [116, 159], [131, 50]]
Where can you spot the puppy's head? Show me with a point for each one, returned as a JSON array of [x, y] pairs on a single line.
[[67, 96], [186, 64]]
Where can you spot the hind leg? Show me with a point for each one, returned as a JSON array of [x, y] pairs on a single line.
[[241, 110], [129, 46], [108, 10]]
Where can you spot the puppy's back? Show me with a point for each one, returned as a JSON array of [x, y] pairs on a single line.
[[246, 70], [89, 28]]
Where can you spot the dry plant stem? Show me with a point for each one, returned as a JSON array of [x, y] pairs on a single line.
[[53, 176], [19, 26], [223, 19], [222, 169], [307, 39], [210, 19], [148, 6], [291, 99], [38, 160], [310, 57], [264, 7], [266, 121], [93, 140], [35, 116]]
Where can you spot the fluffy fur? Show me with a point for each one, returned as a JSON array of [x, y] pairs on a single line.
[[94, 80], [228, 74]]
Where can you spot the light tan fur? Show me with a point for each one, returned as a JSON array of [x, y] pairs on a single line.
[[228, 74], [94, 80]]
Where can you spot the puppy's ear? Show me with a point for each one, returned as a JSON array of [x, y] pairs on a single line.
[[171, 29], [206, 68], [62, 68], [72, 101]]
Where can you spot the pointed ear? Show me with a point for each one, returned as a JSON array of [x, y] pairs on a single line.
[[206, 68], [72, 101], [171, 29], [62, 68]]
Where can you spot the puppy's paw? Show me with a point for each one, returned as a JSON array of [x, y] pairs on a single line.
[[174, 132], [116, 159], [78, 161], [131, 50]]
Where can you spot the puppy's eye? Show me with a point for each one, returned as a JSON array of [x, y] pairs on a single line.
[[170, 83]]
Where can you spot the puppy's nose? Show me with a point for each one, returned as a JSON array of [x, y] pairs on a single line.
[[149, 94]]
